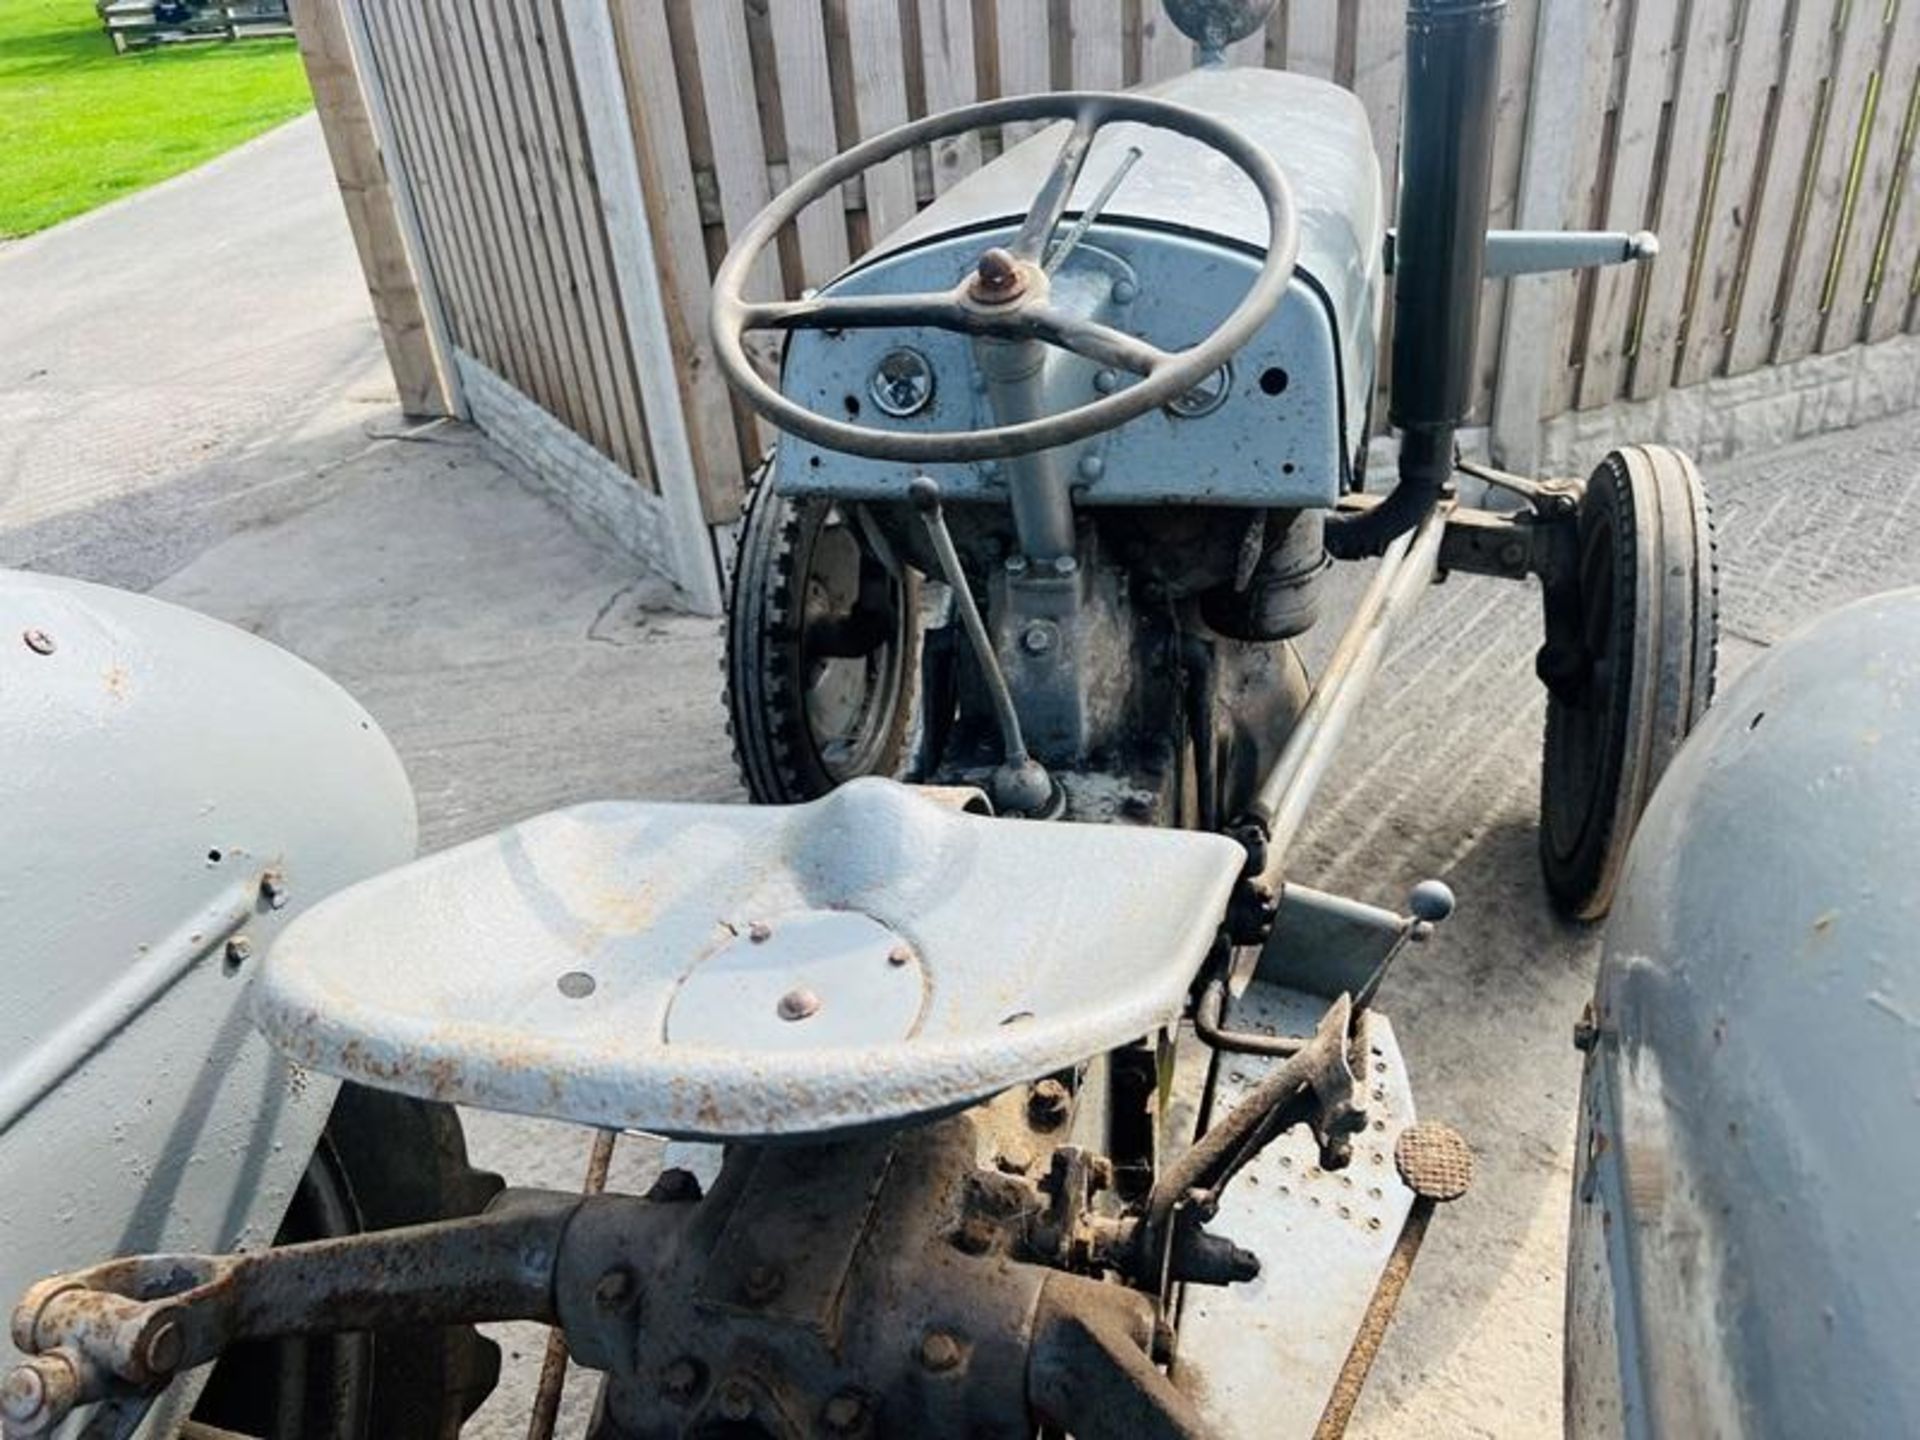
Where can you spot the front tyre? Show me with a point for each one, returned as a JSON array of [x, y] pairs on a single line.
[[1628, 665], [822, 648]]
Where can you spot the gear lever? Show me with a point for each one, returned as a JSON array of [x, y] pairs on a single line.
[[1020, 784]]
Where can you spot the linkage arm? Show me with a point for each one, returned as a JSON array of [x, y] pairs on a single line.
[[128, 1326]]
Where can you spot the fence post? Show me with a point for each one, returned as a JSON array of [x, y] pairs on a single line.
[[334, 46], [1557, 80], [623, 208]]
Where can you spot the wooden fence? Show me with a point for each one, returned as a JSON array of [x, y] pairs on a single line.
[[1770, 143]]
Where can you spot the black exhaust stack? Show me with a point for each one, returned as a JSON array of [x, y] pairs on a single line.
[[1446, 165]]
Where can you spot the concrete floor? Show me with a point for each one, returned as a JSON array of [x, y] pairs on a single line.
[[515, 665]]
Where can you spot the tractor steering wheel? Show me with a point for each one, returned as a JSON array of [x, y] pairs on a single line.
[[1006, 298]]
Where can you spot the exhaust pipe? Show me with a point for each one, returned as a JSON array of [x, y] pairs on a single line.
[[1440, 252]]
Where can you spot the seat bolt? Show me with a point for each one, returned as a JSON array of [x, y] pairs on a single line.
[[798, 1004], [1047, 1105], [843, 1413], [939, 1351], [680, 1381]]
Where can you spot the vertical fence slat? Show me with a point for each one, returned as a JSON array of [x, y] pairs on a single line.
[[1690, 140], [1095, 34], [556, 253], [673, 210], [1313, 37], [496, 338], [1164, 51], [447, 253], [1024, 53], [485, 152], [1857, 48], [1871, 191], [733, 125], [1589, 137], [806, 108], [1892, 281], [947, 63], [559, 104], [592, 47], [1628, 186], [1763, 281], [1729, 224], [1510, 129], [879, 104]]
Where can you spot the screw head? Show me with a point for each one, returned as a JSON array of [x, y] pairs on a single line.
[[1124, 292], [239, 951], [899, 955], [1038, 637], [39, 641], [1091, 467], [798, 1005], [1106, 381], [939, 1351], [759, 932]]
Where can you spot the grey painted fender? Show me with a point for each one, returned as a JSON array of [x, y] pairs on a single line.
[[1744, 1256], [166, 782]]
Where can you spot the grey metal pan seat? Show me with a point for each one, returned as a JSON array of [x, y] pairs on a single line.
[[733, 972]]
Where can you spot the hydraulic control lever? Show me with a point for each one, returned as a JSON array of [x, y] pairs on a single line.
[[1020, 784]]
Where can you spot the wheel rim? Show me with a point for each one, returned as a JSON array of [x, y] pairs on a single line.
[[1579, 729], [849, 697]]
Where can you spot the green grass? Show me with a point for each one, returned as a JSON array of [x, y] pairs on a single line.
[[80, 125]]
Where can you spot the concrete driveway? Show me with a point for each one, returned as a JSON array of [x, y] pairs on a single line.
[[216, 434]]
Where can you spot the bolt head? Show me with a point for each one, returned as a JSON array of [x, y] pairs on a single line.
[[734, 1402], [1038, 637], [899, 955], [39, 641], [614, 1289], [843, 1413], [764, 1281], [1124, 292], [1091, 467], [681, 1380], [1106, 381], [798, 1005], [939, 1351]]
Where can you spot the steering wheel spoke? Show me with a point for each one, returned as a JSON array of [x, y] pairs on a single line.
[[1043, 216], [1102, 344], [938, 308]]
